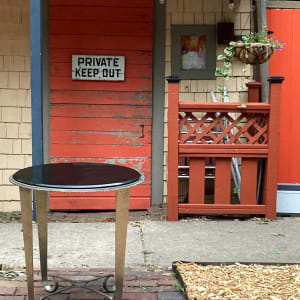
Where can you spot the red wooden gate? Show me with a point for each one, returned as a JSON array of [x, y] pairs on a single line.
[[101, 121], [249, 131], [285, 23]]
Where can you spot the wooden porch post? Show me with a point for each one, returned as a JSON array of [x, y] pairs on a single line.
[[173, 102], [254, 91], [273, 141], [36, 86]]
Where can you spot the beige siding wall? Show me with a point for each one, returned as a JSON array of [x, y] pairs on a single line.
[[15, 111], [207, 12]]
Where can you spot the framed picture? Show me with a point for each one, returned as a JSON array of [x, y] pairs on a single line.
[[193, 51]]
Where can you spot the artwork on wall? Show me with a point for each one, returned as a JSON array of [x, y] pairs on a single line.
[[193, 56], [193, 51]]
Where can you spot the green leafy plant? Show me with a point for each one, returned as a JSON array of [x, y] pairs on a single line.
[[178, 286], [261, 38], [143, 288]]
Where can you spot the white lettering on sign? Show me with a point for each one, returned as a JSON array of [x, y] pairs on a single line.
[[94, 67]]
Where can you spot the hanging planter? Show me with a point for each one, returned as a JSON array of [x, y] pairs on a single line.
[[255, 48], [253, 53]]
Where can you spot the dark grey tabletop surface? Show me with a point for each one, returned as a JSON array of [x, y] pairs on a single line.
[[77, 176]]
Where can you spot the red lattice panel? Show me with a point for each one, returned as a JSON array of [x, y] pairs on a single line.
[[223, 128]]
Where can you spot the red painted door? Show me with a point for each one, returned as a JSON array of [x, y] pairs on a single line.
[[285, 23], [101, 121]]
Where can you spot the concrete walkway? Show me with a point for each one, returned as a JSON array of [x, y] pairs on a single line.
[[159, 243]]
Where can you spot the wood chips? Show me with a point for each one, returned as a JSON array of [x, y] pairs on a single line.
[[239, 281]]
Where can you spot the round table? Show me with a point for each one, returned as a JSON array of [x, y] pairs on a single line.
[[72, 177]]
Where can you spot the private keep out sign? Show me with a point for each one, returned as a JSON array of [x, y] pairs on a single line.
[[94, 67]]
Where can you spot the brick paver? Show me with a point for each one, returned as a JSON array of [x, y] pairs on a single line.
[[138, 285]]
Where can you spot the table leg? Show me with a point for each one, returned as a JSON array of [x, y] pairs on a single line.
[[26, 213], [122, 205], [41, 199]]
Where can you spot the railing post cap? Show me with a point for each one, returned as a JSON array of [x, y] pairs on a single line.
[[173, 79], [253, 84], [276, 79]]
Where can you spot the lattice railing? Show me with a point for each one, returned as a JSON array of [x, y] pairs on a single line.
[[201, 131], [223, 128]]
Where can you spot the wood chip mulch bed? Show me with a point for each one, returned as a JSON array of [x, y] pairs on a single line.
[[240, 281]]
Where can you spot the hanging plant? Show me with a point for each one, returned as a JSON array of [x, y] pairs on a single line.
[[254, 53], [254, 48]]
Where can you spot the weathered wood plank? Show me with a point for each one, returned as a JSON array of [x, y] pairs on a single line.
[[129, 85], [61, 150], [141, 190], [137, 163], [95, 42], [101, 111], [101, 97], [103, 3], [92, 124], [103, 203], [83, 27], [133, 57], [125, 14], [131, 71], [101, 138]]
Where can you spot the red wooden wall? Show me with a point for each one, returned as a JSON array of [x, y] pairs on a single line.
[[101, 121], [285, 23]]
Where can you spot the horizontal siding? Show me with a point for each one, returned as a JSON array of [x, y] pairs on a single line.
[[108, 14], [75, 27], [139, 191], [133, 57], [95, 42], [97, 124], [103, 3], [101, 97], [111, 151], [100, 138], [92, 203], [101, 111], [101, 121]]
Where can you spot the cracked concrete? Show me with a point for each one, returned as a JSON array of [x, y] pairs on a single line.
[[159, 243]]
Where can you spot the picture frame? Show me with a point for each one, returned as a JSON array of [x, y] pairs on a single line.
[[193, 51]]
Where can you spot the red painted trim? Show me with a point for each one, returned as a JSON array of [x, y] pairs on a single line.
[[222, 181], [197, 181], [273, 156], [224, 107], [248, 181], [173, 98], [221, 209]]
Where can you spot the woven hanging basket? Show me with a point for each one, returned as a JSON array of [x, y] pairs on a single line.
[[256, 54]]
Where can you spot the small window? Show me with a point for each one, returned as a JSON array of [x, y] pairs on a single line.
[[193, 51]]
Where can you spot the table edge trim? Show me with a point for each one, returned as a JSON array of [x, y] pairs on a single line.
[[78, 190]]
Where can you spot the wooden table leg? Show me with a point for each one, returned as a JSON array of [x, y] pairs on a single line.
[[41, 199], [122, 206], [26, 213]]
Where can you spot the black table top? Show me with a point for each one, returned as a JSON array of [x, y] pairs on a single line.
[[76, 177]]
